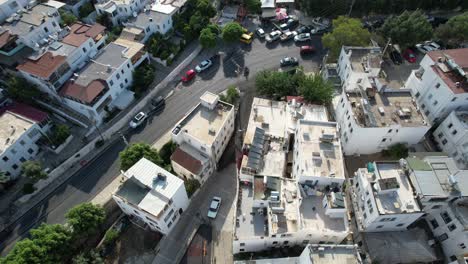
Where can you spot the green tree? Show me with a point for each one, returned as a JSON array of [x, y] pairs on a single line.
[[232, 31], [191, 185], [316, 89], [33, 170], [143, 77], [21, 90], [54, 241], [105, 20], [68, 18], [396, 151], [85, 218], [91, 257], [455, 31], [86, 9], [206, 8], [275, 84], [166, 151], [346, 32], [214, 28], [135, 152], [3, 177], [407, 29], [198, 22], [207, 38], [253, 6], [231, 95], [25, 251], [60, 134], [111, 236]]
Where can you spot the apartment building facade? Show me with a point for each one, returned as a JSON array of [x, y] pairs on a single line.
[[119, 11], [152, 196]]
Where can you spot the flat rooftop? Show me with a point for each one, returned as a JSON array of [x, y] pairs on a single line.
[[205, 124], [313, 215], [363, 58], [149, 187], [13, 126], [320, 150], [250, 220], [396, 193], [374, 109], [287, 220]]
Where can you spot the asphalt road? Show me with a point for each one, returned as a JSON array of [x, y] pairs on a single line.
[[90, 180]]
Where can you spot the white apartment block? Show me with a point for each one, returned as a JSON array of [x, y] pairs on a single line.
[[280, 207], [21, 127], [103, 84], [153, 196], [119, 11], [51, 66], [202, 136], [442, 189], [452, 137], [8, 7], [440, 84], [34, 26], [370, 114], [383, 198], [316, 254]]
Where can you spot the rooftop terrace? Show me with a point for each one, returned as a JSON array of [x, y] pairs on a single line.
[[320, 150], [373, 109], [250, 220], [363, 58], [11, 129], [313, 215]]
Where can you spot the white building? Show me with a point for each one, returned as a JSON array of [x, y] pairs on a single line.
[[442, 189], [21, 127], [51, 66], [202, 136], [440, 84], [8, 7], [280, 207], [119, 11], [452, 137], [383, 198], [103, 84], [316, 254], [152, 195], [34, 26], [371, 114]]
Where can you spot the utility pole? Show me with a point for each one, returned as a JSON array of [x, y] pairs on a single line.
[[386, 46], [123, 138], [351, 7]]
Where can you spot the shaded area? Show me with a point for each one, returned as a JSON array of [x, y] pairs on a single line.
[[199, 250]]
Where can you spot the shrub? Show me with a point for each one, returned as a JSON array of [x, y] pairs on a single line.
[[28, 188], [111, 236], [397, 151], [191, 185]]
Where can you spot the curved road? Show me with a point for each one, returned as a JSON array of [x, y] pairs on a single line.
[[90, 180]]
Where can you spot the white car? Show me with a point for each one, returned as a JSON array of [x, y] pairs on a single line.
[[302, 37], [203, 65], [432, 45], [423, 48], [260, 32], [138, 120], [214, 207], [275, 35]]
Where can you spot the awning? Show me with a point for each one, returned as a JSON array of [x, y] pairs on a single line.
[[123, 100]]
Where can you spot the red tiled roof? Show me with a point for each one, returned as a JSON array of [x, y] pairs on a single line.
[[44, 66], [460, 56], [6, 37], [187, 161], [85, 94], [26, 111], [79, 33], [451, 78]]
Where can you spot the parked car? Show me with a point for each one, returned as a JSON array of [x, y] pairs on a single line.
[[260, 32], [203, 65], [214, 207], [284, 27], [288, 35], [432, 45], [138, 120], [423, 48], [189, 75], [292, 23], [409, 55], [275, 35], [307, 50], [302, 37], [319, 30], [158, 104], [396, 57], [303, 29], [289, 61]]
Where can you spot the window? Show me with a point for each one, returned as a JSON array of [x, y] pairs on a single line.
[[241, 250], [351, 130], [22, 159], [128, 65], [437, 206], [122, 71], [430, 96], [126, 81], [452, 227], [168, 215], [242, 244], [46, 29], [423, 106], [434, 223], [454, 132], [121, 85], [442, 237], [118, 76], [275, 242], [111, 82], [84, 49], [450, 125], [437, 85], [453, 99], [5, 158], [305, 242], [22, 142], [380, 226], [435, 102], [445, 216], [462, 245], [285, 242], [169, 225], [440, 135], [390, 131], [90, 44], [427, 113], [384, 139], [30, 151], [13, 151], [417, 94], [365, 216], [14, 166], [399, 225], [453, 258], [444, 142]]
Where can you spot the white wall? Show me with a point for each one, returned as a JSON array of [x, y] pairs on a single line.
[[122, 12], [7, 8], [455, 145], [161, 27], [39, 33]]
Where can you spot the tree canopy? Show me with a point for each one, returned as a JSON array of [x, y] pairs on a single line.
[[143, 76], [231, 95], [232, 32], [316, 89], [67, 17], [253, 6], [33, 170], [21, 90], [346, 32], [207, 38], [135, 152], [166, 151], [407, 29], [60, 134], [85, 218], [455, 31], [276, 84]]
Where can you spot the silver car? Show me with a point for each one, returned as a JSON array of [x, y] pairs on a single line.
[[214, 207], [138, 120]]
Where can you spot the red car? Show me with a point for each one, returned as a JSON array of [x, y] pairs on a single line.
[[307, 50], [409, 56], [189, 75]]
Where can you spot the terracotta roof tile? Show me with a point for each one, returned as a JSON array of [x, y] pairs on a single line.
[[460, 56], [85, 94], [6, 37], [457, 83], [187, 161], [26, 111], [79, 33], [44, 66]]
